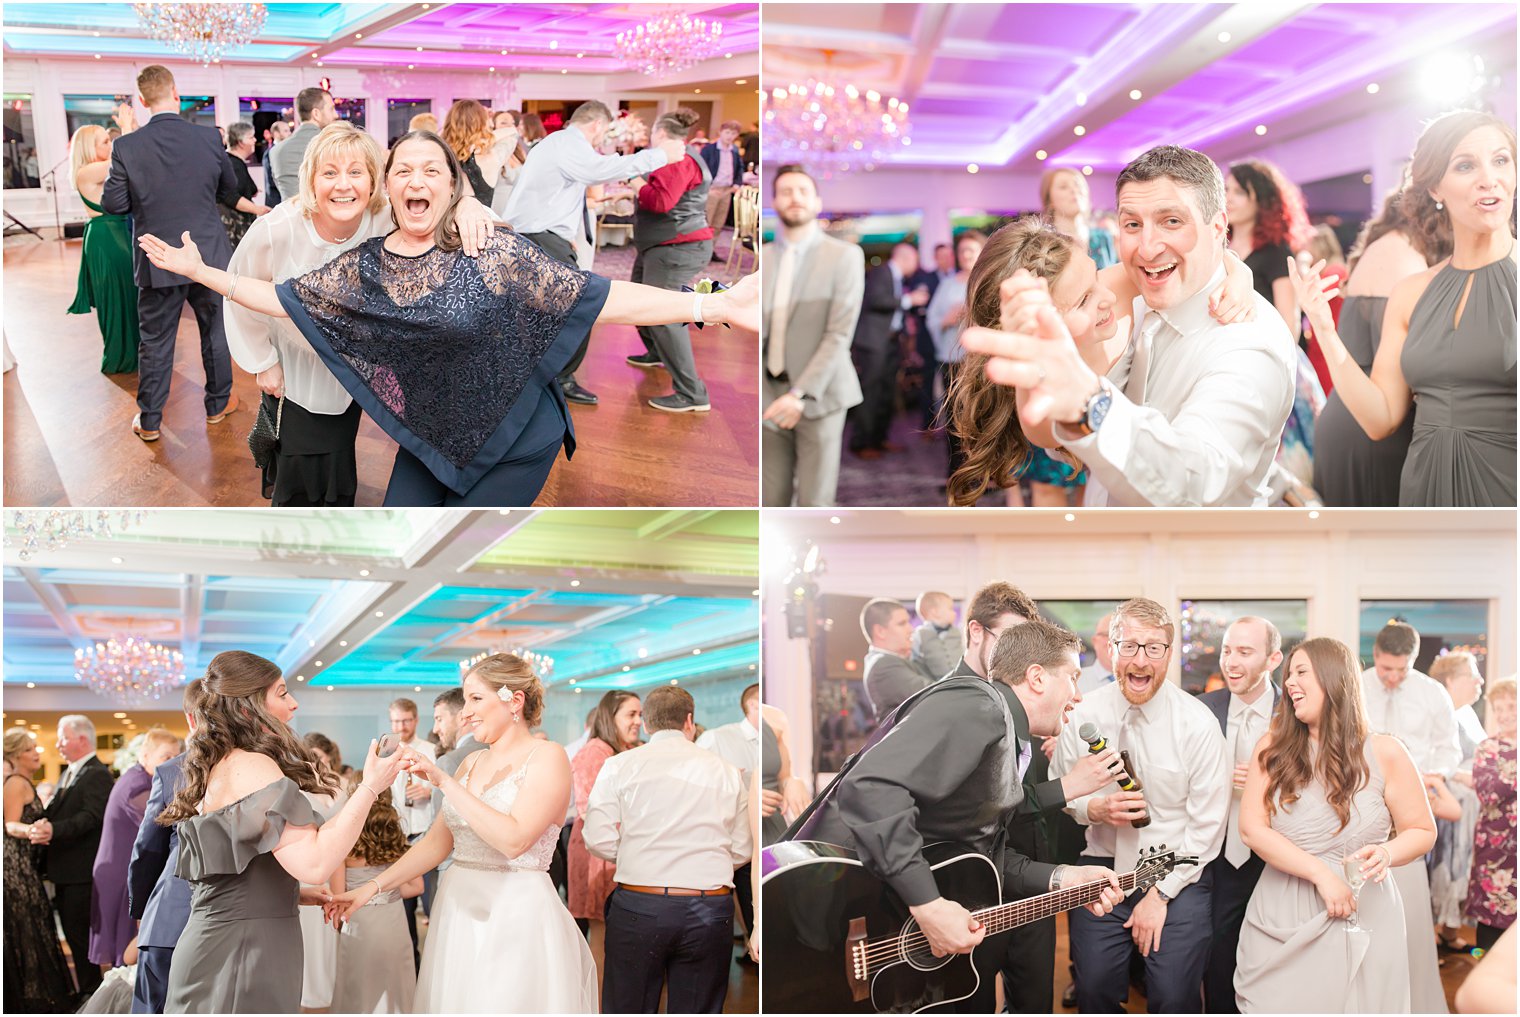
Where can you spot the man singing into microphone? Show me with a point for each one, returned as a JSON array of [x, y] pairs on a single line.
[[1179, 758]]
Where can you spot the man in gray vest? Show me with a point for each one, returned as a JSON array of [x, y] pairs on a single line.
[[315, 109], [674, 242]]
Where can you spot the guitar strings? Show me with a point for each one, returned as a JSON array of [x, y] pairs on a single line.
[[878, 951]]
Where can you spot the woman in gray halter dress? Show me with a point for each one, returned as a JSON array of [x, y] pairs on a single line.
[[1448, 343], [1321, 801], [251, 830]]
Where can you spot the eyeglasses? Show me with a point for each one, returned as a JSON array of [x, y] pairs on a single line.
[[1155, 651]]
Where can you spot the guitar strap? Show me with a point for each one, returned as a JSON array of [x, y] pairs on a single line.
[[799, 830]]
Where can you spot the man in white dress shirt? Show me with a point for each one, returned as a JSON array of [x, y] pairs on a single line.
[[1250, 652], [1408, 704], [675, 819], [1193, 411], [413, 798], [738, 744], [548, 203], [1179, 759]]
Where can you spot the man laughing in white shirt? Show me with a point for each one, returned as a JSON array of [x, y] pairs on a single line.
[[1193, 411]]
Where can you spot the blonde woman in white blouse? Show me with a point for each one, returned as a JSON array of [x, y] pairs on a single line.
[[341, 204]]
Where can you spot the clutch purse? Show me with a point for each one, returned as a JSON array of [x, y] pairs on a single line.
[[264, 439]]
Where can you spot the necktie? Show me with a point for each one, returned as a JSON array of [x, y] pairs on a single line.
[[1026, 754], [1134, 388], [779, 311], [1244, 722], [1127, 838]]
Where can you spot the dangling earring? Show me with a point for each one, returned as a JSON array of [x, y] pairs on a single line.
[[1439, 206]]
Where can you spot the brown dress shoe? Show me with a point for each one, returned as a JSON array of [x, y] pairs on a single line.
[[142, 432], [232, 405]]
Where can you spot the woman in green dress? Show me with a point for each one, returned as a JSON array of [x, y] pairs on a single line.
[[105, 270]]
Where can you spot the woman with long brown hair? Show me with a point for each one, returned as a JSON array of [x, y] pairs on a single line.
[[614, 729], [1447, 354], [251, 829], [499, 938], [467, 129], [1096, 306], [1321, 803]]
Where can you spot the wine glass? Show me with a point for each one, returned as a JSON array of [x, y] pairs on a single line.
[[1351, 868]]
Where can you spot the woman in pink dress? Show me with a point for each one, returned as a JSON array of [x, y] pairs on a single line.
[[614, 729]]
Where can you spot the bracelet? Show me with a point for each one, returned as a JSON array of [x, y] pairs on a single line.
[[696, 308], [378, 888], [371, 790], [1056, 875], [232, 290]]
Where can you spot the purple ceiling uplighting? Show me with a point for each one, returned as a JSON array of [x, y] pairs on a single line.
[[1095, 84]]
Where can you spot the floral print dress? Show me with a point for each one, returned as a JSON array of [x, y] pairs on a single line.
[[1491, 888]]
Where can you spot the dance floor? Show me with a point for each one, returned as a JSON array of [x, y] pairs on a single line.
[[68, 437]]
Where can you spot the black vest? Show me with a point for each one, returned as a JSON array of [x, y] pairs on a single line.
[[651, 229]]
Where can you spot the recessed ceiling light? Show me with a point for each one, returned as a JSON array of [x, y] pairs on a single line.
[[1071, 517], [358, 35], [973, 168], [1081, 98], [317, 664], [416, 688], [563, 71], [575, 582], [627, 668], [343, 642], [834, 520], [1372, 89], [411, 67], [577, 690], [419, 49], [364, 572], [752, 667], [1224, 36], [742, 81], [329, 688], [321, 64], [119, 716], [1314, 514], [503, 52], [491, 69], [379, 614], [1087, 171], [1079, 130], [675, 681], [503, 512], [728, 56], [579, 56], [300, 677], [1366, 178], [643, 652], [1136, 94], [696, 91], [33, 685], [116, 560], [754, 593], [1041, 155], [554, 44], [1261, 129], [97, 56]]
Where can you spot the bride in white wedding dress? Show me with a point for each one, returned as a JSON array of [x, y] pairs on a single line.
[[499, 940]]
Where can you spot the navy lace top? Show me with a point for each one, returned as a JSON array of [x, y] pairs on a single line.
[[450, 355]]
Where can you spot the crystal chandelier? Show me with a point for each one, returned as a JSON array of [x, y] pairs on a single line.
[[129, 669], [541, 663], [54, 529], [202, 31], [671, 41], [833, 126]]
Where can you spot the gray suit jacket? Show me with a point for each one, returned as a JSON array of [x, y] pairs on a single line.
[[826, 293], [286, 160], [889, 679]]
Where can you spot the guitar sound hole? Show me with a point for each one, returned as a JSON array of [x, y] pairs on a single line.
[[915, 949]]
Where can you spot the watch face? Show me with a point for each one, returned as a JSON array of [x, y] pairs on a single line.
[[1099, 409]]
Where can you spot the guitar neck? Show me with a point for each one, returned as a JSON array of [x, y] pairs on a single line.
[[1021, 912]]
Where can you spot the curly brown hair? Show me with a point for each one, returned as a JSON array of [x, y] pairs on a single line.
[[467, 128], [1430, 227], [983, 414], [1290, 761], [233, 716], [381, 841]]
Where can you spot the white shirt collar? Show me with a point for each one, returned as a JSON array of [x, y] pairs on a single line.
[[750, 731], [1192, 314], [76, 764]]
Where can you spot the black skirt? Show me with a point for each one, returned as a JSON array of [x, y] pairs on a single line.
[[315, 463]]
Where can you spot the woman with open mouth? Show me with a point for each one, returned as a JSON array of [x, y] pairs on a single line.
[[455, 358], [1096, 306], [1448, 347], [340, 206]]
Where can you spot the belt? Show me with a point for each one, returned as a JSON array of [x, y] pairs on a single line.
[[677, 891]]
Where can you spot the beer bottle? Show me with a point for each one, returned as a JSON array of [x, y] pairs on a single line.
[[1132, 783]]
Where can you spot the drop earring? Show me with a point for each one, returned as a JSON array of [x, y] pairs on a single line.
[[1439, 206]]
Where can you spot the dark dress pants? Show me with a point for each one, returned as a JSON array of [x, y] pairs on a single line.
[[158, 310], [682, 943], [744, 892], [1101, 949], [1029, 968], [671, 266], [562, 251], [877, 369], [72, 901], [1232, 892], [151, 989]]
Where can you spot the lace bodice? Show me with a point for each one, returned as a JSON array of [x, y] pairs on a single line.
[[473, 852]]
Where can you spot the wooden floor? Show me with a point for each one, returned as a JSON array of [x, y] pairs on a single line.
[[68, 437]]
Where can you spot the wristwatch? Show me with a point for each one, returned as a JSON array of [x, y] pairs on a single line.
[[1098, 405], [796, 393], [1165, 897]]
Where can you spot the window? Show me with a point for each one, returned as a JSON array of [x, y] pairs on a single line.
[[81, 110], [351, 110], [262, 111], [1200, 633], [1082, 617], [198, 109], [1443, 625], [21, 168], [399, 113]]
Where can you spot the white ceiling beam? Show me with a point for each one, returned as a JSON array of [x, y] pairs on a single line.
[[191, 601], [929, 27], [49, 597]]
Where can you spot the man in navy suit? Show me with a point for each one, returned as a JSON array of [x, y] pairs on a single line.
[[156, 897], [1252, 650], [168, 176]]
